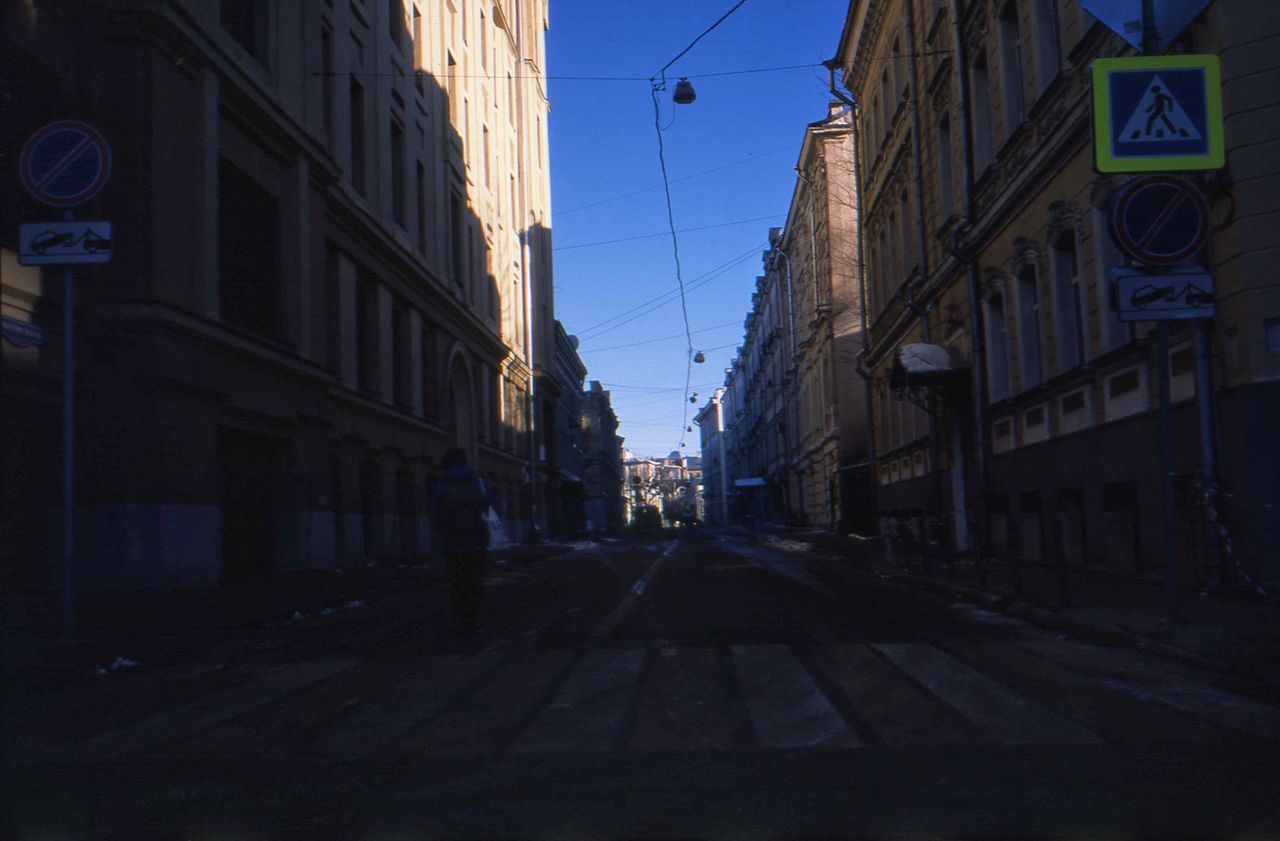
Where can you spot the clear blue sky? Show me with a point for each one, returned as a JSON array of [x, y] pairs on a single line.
[[731, 157]]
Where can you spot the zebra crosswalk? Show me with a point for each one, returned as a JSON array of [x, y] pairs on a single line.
[[666, 697]]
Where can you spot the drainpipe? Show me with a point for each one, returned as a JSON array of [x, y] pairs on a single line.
[[977, 324], [861, 365], [922, 239]]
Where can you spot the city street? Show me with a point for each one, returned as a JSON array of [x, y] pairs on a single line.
[[726, 685]]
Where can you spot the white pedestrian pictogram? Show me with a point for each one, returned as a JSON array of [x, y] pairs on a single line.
[[1158, 117]]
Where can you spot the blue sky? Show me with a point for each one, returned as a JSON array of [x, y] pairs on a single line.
[[730, 157]]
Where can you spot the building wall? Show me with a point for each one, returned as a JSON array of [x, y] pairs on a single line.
[[321, 280], [1066, 382]]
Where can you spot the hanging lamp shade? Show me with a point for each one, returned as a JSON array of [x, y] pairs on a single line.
[[684, 94], [699, 357]]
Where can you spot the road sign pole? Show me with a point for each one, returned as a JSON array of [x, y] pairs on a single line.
[[68, 455], [1169, 537], [1208, 452]]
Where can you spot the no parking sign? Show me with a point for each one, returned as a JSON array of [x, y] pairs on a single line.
[[64, 164]]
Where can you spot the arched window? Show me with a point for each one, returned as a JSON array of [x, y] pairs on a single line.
[[1011, 66], [980, 84], [997, 346], [1029, 326], [1067, 289]]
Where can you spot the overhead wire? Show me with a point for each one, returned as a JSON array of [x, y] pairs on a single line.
[[665, 298], [663, 234]]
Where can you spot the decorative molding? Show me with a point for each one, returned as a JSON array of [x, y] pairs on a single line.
[[994, 282], [1066, 216], [1026, 253]]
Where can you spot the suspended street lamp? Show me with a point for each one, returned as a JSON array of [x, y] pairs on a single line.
[[685, 93]]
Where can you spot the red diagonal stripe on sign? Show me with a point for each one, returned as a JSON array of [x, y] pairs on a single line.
[[1161, 220], [66, 161]]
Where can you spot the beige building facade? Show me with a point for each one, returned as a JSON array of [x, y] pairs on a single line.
[[332, 262], [986, 233], [793, 408]]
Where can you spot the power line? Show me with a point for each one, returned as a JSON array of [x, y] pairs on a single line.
[[597, 203], [666, 298], [662, 339], [663, 234], [704, 34]]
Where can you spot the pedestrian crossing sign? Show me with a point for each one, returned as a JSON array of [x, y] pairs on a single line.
[[1157, 113]]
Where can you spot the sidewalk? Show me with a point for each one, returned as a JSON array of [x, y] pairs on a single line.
[[1232, 632], [163, 627]]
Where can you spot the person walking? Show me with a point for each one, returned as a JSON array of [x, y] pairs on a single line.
[[461, 533]]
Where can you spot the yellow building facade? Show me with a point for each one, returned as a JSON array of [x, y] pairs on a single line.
[[986, 234]]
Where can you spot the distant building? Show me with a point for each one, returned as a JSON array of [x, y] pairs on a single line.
[[601, 461], [794, 409], [332, 263], [672, 485], [566, 510]]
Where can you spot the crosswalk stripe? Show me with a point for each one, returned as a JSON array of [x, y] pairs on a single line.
[[1112, 714], [588, 711], [188, 720], [897, 710], [1010, 717], [1128, 673], [787, 708]]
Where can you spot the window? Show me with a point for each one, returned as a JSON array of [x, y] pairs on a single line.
[[395, 23], [451, 84], [326, 83], [1066, 281], [1011, 66], [455, 238], [247, 22], [419, 48], [357, 137], [250, 286], [420, 187], [946, 179], [886, 97], [428, 339], [511, 100], [397, 173], [484, 43], [401, 356], [1106, 255], [892, 257], [470, 273], [1029, 327], [1048, 45], [910, 260], [900, 70], [488, 169], [980, 82], [997, 348], [367, 339]]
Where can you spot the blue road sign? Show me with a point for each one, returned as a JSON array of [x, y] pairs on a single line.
[[1160, 219], [65, 163], [1124, 17], [1154, 113]]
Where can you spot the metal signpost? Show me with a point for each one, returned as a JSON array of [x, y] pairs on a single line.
[[64, 164], [1160, 113]]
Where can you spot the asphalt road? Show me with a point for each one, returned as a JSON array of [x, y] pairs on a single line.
[[730, 686]]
